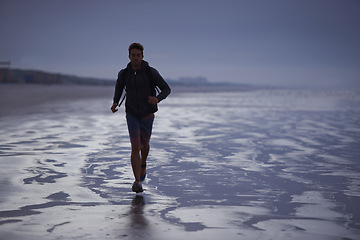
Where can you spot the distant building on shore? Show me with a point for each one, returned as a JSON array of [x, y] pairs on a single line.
[[8, 75]]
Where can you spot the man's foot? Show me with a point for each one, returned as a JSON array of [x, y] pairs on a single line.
[[143, 169], [137, 187]]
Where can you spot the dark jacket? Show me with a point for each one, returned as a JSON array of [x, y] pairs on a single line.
[[139, 88]]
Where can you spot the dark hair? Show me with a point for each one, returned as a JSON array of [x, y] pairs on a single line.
[[137, 46]]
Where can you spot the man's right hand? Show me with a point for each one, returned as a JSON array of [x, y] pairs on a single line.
[[113, 107]]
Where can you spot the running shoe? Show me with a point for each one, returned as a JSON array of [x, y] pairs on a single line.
[[137, 187]]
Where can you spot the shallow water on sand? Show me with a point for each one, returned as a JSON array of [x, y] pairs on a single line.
[[271, 164]]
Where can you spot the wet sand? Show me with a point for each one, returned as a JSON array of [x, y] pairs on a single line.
[[274, 164]]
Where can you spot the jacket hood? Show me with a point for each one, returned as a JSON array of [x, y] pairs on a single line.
[[144, 64]]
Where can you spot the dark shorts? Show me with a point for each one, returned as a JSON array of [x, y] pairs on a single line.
[[139, 129]]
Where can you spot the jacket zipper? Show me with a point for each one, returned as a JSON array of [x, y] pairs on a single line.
[[137, 97]]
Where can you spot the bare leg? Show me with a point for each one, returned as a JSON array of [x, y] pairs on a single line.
[[144, 154], [136, 162]]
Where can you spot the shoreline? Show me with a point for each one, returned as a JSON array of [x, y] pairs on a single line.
[[20, 99]]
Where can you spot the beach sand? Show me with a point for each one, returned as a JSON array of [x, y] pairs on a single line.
[[24, 99], [267, 164]]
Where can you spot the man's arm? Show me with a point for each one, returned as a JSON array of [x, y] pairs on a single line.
[[159, 81], [119, 88]]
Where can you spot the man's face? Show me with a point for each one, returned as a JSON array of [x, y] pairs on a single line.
[[136, 57]]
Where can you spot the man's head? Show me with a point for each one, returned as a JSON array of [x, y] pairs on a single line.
[[136, 54], [137, 46]]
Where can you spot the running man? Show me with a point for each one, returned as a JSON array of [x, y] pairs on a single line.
[[139, 80]]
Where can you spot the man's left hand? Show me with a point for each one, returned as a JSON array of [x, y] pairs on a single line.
[[153, 100]]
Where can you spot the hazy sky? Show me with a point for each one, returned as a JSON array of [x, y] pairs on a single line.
[[285, 42]]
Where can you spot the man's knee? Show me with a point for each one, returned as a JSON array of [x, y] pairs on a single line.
[[145, 145], [135, 148]]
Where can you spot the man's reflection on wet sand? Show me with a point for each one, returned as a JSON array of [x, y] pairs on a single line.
[[138, 219], [139, 225]]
